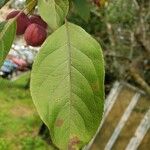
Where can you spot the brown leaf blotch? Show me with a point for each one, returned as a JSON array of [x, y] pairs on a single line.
[[95, 86], [59, 122], [73, 142]]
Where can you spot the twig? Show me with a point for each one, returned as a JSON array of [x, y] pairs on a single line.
[[134, 73], [118, 56]]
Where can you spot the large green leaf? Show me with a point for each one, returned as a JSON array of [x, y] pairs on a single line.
[[3, 2], [83, 9], [67, 86], [53, 11], [7, 34]]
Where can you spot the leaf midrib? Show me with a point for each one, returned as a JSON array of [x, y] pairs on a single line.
[[70, 74], [69, 68]]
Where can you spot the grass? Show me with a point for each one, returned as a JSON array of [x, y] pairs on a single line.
[[19, 121]]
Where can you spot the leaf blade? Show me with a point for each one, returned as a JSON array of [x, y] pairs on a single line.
[[57, 11], [82, 8], [3, 2], [71, 86], [7, 36]]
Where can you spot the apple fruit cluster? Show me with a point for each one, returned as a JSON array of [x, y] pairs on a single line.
[[33, 27]]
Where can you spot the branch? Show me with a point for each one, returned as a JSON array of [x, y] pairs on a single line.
[[144, 43], [134, 72], [118, 56]]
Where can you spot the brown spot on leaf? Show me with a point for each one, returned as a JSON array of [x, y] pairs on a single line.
[[59, 122], [73, 143], [95, 86]]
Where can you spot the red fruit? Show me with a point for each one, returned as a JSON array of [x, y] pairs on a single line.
[[22, 21], [38, 20], [35, 35]]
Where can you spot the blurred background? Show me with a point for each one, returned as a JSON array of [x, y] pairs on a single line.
[[122, 27]]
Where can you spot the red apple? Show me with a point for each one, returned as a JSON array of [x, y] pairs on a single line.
[[38, 20], [35, 35], [22, 21]]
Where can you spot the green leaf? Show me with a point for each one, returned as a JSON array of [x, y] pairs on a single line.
[[2, 24], [3, 2], [82, 8], [53, 11], [30, 4], [67, 86], [7, 35]]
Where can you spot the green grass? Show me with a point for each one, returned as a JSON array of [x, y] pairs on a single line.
[[19, 121]]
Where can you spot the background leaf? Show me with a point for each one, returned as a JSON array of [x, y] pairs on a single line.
[[3, 2], [67, 86], [30, 4], [82, 8], [102, 2], [53, 11], [7, 35], [2, 24]]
